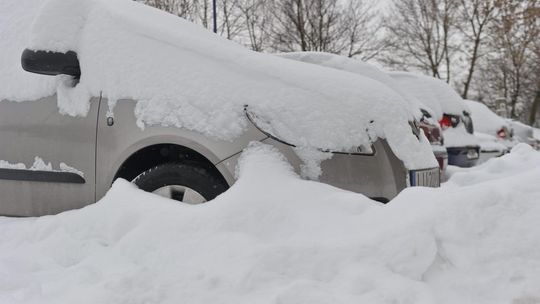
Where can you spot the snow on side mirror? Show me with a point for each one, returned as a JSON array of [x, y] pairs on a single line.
[[51, 63]]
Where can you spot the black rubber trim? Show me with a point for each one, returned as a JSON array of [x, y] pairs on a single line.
[[41, 176], [383, 200]]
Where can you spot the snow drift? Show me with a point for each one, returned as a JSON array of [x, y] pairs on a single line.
[[472, 241], [184, 76]]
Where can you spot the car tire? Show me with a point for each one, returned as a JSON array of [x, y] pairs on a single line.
[[194, 176]]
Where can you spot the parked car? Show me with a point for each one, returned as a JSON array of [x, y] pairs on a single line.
[[452, 113], [423, 113], [487, 122], [171, 106], [493, 132]]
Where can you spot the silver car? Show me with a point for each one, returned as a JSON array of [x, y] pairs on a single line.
[[87, 154]]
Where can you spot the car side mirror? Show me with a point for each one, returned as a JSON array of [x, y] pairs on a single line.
[[51, 63]]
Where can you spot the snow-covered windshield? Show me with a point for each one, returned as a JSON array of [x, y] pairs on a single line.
[[185, 76]]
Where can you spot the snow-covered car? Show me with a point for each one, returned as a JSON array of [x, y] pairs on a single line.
[[422, 113], [453, 115], [487, 122], [146, 96], [493, 132]]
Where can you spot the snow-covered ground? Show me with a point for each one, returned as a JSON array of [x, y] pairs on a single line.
[[275, 238]]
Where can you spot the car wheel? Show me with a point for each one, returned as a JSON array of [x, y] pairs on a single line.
[[189, 183]]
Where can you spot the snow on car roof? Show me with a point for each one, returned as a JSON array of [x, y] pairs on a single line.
[[484, 119], [437, 94], [185, 76], [361, 68]]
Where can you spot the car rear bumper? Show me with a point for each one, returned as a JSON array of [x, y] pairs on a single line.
[[485, 155], [466, 156]]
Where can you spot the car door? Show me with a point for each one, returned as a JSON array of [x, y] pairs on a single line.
[[34, 134]]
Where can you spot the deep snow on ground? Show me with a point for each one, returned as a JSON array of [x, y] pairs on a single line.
[[274, 238]]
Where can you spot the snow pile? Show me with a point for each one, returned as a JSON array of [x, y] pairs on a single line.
[[435, 93], [521, 160], [184, 76], [15, 22], [360, 68], [473, 241]]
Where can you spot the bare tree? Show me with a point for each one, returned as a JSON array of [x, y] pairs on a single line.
[[362, 30], [231, 18], [257, 22], [475, 16], [182, 8], [419, 35], [342, 27], [534, 74], [306, 25], [513, 33]]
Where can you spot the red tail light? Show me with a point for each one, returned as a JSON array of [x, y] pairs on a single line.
[[445, 122], [501, 133]]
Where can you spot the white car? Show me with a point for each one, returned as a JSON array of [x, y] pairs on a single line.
[[487, 122]]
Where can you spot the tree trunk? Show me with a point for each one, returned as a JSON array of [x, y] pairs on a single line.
[[534, 108], [471, 68], [515, 96]]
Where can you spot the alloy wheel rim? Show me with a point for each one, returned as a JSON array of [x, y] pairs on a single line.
[[180, 193]]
